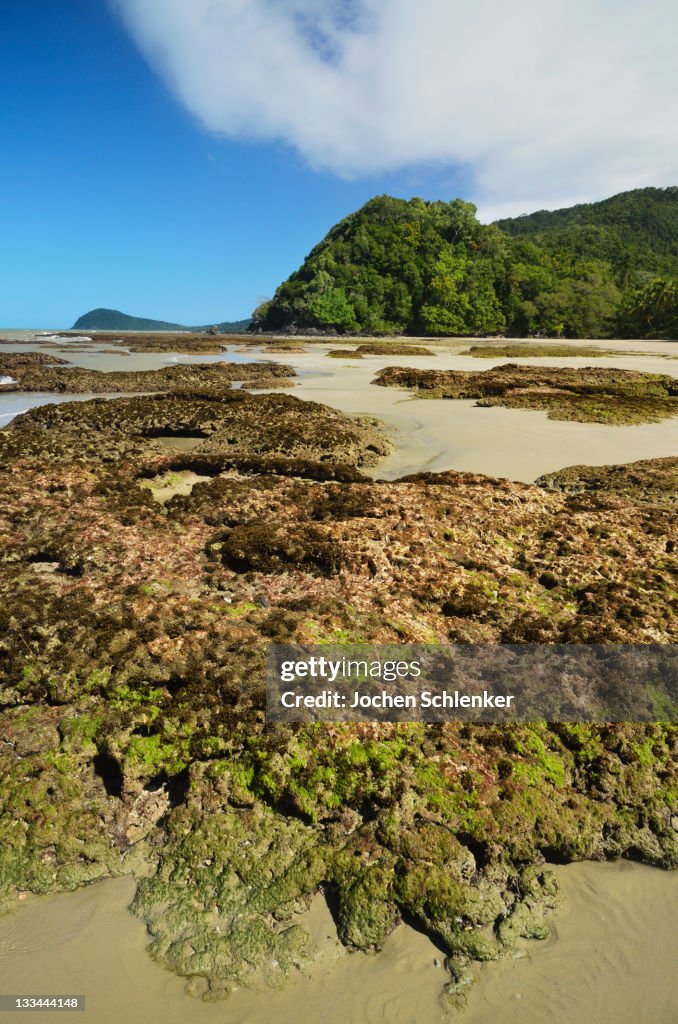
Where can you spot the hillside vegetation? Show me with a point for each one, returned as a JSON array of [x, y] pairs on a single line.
[[417, 267]]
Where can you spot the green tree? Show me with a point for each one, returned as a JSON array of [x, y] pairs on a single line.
[[432, 267], [650, 311]]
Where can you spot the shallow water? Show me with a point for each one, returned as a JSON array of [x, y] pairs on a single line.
[[180, 444], [610, 960]]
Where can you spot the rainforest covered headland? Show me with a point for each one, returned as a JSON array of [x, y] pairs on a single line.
[[431, 268]]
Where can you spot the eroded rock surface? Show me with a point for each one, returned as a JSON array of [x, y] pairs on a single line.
[[35, 371], [589, 395], [649, 482], [381, 348], [12, 361], [522, 349], [229, 425], [132, 643]]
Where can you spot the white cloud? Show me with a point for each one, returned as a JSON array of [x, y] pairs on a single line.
[[546, 101]]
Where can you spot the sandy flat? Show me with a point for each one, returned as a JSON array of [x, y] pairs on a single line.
[[610, 958], [440, 434]]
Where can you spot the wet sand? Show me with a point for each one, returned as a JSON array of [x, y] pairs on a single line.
[[610, 960], [611, 957], [438, 434], [86, 943]]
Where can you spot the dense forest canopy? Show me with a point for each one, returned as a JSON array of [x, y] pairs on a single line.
[[417, 267]]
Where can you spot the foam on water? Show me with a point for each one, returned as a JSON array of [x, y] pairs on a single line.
[[60, 339]]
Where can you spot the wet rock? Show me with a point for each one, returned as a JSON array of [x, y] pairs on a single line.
[[381, 348], [233, 425], [11, 361], [260, 547], [165, 341], [45, 375], [223, 902]]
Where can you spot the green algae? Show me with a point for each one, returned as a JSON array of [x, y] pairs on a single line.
[[223, 901], [133, 735]]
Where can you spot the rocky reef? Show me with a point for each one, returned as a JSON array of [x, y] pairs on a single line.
[[525, 349], [132, 643], [588, 395], [381, 348], [37, 371], [649, 482], [11, 362], [184, 342], [226, 425]]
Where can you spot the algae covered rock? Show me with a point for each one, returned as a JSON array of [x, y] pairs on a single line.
[[223, 902], [132, 649], [648, 482], [37, 371], [588, 395], [260, 547], [230, 425]]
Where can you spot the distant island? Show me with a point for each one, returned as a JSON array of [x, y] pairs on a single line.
[[606, 269], [114, 320]]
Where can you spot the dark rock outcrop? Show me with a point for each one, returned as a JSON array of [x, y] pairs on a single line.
[[649, 482], [35, 371]]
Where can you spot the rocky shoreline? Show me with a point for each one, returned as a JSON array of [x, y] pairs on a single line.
[[588, 395], [649, 482], [132, 639], [532, 350], [383, 348], [37, 371]]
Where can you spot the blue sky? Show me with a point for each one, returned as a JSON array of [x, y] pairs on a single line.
[[113, 195], [177, 159]]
